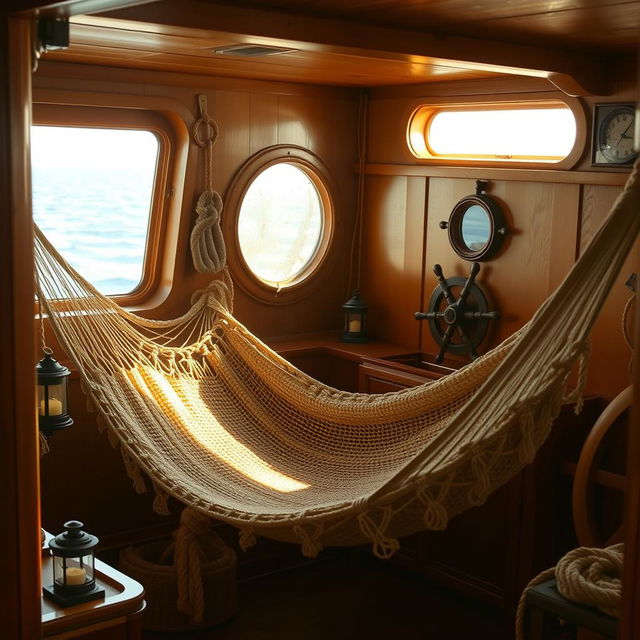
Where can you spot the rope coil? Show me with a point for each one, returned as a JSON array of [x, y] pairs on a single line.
[[207, 243], [589, 576]]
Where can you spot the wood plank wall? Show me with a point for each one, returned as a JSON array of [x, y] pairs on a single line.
[[551, 223], [252, 115]]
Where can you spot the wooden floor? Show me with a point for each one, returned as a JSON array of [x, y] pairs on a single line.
[[346, 599]]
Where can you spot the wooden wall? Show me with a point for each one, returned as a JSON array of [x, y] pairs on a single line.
[[82, 477], [552, 216]]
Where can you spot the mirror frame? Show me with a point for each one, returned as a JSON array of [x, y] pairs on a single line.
[[497, 230]]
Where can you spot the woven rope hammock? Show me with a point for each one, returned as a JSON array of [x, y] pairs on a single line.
[[222, 423]]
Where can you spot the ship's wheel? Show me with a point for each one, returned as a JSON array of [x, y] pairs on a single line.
[[458, 314]]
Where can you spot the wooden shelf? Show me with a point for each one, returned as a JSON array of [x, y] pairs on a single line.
[[120, 610]]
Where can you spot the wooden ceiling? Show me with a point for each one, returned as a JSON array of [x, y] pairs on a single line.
[[603, 25], [367, 42]]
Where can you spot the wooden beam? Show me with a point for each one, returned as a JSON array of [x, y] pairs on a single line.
[[68, 7], [19, 484], [575, 73]]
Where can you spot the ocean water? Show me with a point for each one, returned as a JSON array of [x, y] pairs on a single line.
[[97, 219]]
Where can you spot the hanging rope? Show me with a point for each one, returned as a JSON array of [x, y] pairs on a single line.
[[589, 576], [207, 243]]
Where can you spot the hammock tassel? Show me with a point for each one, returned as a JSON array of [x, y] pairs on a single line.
[[435, 516], [44, 444], [160, 502], [481, 488], [246, 538], [383, 546], [133, 471], [309, 543], [576, 395]]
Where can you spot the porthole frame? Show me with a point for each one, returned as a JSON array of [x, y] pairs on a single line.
[[497, 231], [305, 282]]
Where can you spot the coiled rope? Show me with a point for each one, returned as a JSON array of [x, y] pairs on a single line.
[[207, 243], [589, 576]]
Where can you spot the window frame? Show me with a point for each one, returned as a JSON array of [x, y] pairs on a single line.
[[94, 117], [422, 113], [307, 279]]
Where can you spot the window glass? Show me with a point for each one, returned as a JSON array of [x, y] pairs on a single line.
[[92, 195], [280, 224], [541, 134]]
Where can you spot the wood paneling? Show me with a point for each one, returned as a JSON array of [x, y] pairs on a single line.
[[610, 356], [392, 256]]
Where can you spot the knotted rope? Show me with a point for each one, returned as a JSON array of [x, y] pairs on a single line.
[[207, 244], [194, 544], [589, 576]]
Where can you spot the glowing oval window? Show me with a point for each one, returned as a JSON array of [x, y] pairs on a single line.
[[537, 133], [281, 224]]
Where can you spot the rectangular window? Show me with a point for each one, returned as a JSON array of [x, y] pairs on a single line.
[[97, 193], [540, 132]]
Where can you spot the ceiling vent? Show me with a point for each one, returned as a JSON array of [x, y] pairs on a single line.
[[251, 50]]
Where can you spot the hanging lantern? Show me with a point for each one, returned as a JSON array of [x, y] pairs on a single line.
[[73, 566], [52, 395], [355, 319]]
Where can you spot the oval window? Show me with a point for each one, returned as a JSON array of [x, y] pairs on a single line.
[[545, 132], [281, 224]]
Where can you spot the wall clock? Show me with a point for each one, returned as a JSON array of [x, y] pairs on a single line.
[[613, 135]]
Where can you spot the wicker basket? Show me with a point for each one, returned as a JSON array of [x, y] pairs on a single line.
[[147, 565]]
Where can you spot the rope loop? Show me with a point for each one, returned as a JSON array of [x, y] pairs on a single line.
[[246, 538], [435, 517], [481, 486], [211, 126], [383, 546], [311, 546]]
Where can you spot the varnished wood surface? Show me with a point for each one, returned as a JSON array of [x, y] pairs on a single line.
[[605, 23], [103, 41], [577, 74], [19, 497], [123, 597]]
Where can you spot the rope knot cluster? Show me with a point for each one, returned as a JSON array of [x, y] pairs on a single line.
[[592, 577]]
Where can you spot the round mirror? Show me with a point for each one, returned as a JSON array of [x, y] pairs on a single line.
[[476, 228]]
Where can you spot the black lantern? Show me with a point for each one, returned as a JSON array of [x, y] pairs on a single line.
[[52, 395], [73, 566], [355, 319]]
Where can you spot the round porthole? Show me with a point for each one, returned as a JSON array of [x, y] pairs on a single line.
[[476, 226], [281, 222]]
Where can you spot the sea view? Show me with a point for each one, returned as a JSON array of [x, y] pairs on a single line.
[[97, 214]]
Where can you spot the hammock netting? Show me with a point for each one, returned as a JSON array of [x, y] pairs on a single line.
[[215, 418]]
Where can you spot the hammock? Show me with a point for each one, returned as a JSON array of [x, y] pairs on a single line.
[[222, 423]]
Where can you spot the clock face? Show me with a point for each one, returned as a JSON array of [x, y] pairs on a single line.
[[615, 135]]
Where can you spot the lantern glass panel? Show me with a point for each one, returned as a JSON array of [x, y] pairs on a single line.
[[354, 321], [57, 398]]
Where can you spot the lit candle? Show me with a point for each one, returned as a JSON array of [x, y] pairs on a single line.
[[75, 575], [55, 407], [354, 326]]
